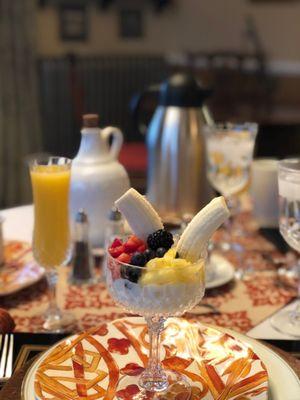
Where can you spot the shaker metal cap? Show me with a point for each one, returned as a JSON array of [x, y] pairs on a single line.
[[81, 216], [114, 214]]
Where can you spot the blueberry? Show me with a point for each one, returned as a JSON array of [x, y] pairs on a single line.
[[130, 273], [160, 252], [138, 259], [123, 271], [149, 254], [177, 255]]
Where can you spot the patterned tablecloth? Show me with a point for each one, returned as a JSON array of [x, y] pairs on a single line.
[[241, 305]]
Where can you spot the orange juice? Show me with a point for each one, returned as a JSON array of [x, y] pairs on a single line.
[[51, 237]]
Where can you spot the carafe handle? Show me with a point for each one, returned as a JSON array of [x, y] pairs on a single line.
[[117, 140], [136, 106]]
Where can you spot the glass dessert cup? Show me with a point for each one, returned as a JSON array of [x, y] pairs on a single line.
[[168, 294]]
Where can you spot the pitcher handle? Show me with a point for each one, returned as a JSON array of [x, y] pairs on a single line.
[[117, 142], [136, 106]]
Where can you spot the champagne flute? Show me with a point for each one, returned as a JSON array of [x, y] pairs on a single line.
[[289, 225], [50, 180]]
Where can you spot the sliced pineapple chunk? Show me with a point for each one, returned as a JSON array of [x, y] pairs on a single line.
[[171, 270]]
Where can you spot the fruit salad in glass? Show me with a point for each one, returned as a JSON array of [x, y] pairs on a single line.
[[148, 274]]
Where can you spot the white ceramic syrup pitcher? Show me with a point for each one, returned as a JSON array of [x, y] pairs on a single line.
[[97, 178]]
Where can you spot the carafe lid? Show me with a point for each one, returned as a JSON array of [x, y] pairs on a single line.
[[182, 90], [90, 120]]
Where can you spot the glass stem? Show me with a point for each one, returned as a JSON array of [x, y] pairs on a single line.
[[154, 378], [295, 315], [53, 309], [298, 289], [155, 328], [228, 225], [298, 282], [210, 270], [234, 205]]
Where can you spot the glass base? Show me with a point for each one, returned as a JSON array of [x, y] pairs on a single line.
[[287, 322], [175, 386], [243, 274], [62, 322], [289, 276], [84, 282]]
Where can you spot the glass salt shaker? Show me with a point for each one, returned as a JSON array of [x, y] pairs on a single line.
[[114, 227]]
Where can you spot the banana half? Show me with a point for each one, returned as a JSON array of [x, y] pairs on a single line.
[[140, 215], [195, 237]]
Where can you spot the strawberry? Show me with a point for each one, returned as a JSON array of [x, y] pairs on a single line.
[[130, 246], [116, 243], [142, 248], [124, 258], [137, 240], [117, 251]]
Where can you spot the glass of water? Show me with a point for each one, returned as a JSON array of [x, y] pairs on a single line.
[[289, 225], [229, 154]]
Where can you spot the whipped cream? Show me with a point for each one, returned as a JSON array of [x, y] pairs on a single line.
[[169, 299]]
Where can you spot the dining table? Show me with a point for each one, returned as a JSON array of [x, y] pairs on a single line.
[[245, 306]]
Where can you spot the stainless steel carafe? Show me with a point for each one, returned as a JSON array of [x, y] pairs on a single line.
[[176, 183]]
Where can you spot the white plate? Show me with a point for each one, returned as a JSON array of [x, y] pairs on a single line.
[[283, 381], [18, 277], [19, 270], [223, 271]]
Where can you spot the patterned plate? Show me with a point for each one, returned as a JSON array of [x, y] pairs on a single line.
[[19, 271], [90, 365]]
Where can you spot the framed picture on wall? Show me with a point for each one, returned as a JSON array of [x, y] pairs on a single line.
[[273, 1], [131, 23], [73, 22]]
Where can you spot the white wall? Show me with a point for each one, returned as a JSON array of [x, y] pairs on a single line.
[[189, 25]]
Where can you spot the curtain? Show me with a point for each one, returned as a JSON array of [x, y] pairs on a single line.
[[20, 133]]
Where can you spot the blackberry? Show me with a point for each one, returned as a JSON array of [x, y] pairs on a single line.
[[131, 274], [160, 238], [138, 259], [149, 254], [160, 252]]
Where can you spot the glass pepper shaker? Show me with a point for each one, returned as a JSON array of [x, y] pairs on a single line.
[[83, 266]]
